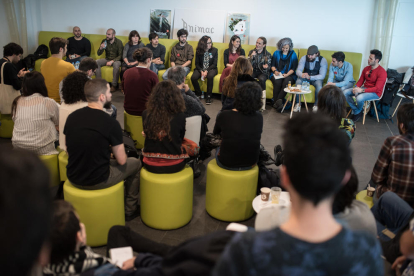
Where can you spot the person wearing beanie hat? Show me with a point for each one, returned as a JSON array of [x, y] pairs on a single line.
[[312, 68]]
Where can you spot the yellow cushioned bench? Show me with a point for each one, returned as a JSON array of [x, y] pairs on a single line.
[[51, 162], [133, 124], [6, 127], [63, 162]]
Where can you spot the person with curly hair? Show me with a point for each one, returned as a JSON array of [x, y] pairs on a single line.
[[35, 116], [230, 55], [164, 129], [206, 66], [241, 130], [134, 43], [240, 73], [284, 64], [73, 97], [331, 101], [138, 83]]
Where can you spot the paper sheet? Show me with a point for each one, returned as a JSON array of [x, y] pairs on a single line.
[[278, 77], [120, 255]]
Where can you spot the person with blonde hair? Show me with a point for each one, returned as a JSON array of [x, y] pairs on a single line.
[[240, 73]]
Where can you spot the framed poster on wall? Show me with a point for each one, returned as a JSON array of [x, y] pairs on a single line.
[[238, 24], [160, 23]]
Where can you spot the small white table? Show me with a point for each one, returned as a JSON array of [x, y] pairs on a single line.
[[258, 204], [293, 98]]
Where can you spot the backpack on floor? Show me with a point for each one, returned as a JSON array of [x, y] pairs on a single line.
[[383, 110], [267, 177], [383, 105], [41, 52], [129, 144]]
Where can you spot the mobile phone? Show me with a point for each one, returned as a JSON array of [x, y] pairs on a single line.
[[30, 69]]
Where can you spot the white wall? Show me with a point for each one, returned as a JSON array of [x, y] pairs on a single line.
[[4, 30], [330, 24]]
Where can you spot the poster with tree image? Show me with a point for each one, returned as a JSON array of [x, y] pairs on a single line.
[[160, 23], [238, 24]]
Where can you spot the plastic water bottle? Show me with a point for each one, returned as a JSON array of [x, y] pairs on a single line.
[[73, 65], [202, 94], [77, 65], [106, 43]]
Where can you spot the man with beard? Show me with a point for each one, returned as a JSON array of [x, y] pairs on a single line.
[[181, 54], [54, 69], [312, 68], [113, 54], [369, 86], [12, 81], [91, 136], [79, 47], [394, 169]]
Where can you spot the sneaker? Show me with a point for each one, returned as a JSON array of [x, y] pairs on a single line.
[[315, 108], [358, 116], [297, 108], [278, 104], [133, 215], [208, 100]]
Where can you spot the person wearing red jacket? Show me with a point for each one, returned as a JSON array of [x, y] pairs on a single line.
[[369, 86]]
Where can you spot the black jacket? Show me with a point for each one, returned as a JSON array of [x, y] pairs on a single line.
[[226, 56], [212, 62], [227, 102]]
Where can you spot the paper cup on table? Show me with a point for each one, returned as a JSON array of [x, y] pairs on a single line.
[[275, 194], [265, 193], [299, 86], [370, 191]]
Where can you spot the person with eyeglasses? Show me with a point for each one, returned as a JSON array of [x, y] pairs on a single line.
[[369, 86], [206, 66]]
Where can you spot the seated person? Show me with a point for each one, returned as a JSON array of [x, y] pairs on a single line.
[[341, 72], [240, 73], [113, 53], [35, 117], [241, 129], [308, 242], [230, 55], [348, 211], [134, 43], [69, 254], [261, 61], [73, 97], [285, 63], [332, 102], [393, 215], [91, 137], [369, 86], [164, 129], [79, 47], [25, 212], [138, 83], [405, 263], [395, 172], [181, 54], [206, 66], [312, 68], [193, 105], [158, 53]]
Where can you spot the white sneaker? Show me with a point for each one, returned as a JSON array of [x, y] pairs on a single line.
[[315, 108], [297, 108]]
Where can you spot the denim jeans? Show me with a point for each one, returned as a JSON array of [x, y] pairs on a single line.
[[347, 86], [165, 75], [155, 67], [391, 212], [228, 168], [115, 73], [316, 83], [360, 99]]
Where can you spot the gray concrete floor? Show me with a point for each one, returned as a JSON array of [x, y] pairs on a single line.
[[365, 147]]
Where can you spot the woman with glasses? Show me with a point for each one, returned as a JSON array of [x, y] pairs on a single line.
[[206, 66]]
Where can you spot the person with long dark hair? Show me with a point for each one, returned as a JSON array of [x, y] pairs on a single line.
[[35, 116], [284, 64], [240, 73], [331, 101], [230, 55], [138, 83], [134, 43], [164, 129], [206, 66], [241, 130], [261, 61]]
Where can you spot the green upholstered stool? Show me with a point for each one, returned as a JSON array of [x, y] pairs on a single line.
[[99, 210], [51, 162], [6, 127], [133, 124], [362, 196], [166, 199], [229, 194], [63, 162]]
